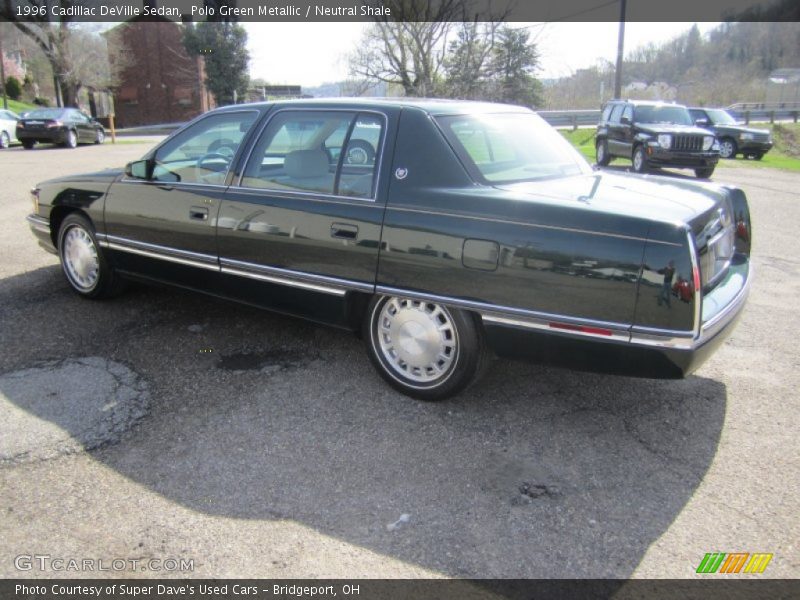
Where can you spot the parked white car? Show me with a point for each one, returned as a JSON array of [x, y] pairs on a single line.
[[8, 128]]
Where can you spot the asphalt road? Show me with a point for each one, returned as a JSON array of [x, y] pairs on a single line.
[[168, 425]]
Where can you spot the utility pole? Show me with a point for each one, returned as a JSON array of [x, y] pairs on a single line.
[[620, 50]]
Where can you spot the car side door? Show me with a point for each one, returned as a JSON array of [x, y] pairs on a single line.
[[160, 217], [306, 213], [627, 130], [615, 145]]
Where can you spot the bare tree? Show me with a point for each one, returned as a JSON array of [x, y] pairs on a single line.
[[410, 50], [78, 54]]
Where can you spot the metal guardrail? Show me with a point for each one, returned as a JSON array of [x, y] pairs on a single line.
[[745, 111]]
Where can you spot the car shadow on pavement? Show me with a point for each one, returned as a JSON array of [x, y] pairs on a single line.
[[533, 472]]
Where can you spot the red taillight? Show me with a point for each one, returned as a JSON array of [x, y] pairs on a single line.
[[696, 277], [581, 329]]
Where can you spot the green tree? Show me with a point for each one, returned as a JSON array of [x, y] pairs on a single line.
[[224, 48], [512, 66]]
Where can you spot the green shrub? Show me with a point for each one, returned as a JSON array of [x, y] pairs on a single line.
[[13, 88]]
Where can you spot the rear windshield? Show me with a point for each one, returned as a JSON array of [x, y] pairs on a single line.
[[45, 113], [511, 147], [675, 115]]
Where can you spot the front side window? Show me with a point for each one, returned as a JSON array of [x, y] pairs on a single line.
[[203, 152], [721, 117], [511, 147], [326, 152], [628, 112]]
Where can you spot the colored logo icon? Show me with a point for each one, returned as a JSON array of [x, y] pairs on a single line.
[[736, 562]]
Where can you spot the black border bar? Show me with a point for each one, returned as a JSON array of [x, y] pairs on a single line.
[[710, 588], [399, 10]]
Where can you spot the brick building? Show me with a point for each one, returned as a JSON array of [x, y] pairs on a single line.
[[162, 83]]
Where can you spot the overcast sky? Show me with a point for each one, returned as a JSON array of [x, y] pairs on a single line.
[[309, 54]]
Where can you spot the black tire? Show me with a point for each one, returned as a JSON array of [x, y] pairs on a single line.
[[639, 160], [704, 173], [459, 351], [71, 140], [5, 140], [601, 149], [727, 148], [28, 144], [100, 136], [83, 263], [757, 156]]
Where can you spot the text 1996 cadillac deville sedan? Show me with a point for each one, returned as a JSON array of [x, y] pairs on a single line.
[[438, 229]]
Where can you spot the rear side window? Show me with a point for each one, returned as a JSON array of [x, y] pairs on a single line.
[[607, 112], [616, 113], [326, 152]]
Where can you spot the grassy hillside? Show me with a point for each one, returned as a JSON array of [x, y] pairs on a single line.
[[18, 107]]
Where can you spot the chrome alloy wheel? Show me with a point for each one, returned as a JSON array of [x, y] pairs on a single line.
[[418, 340], [81, 262]]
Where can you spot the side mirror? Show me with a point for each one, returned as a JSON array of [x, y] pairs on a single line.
[[701, 122], [625, 120], [138, 169]]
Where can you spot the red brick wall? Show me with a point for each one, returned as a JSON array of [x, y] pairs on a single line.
[[163, 84]]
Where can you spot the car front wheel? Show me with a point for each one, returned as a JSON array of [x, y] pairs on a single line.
[[85, 267], [424, 350], [727, 148], [639, 160], [5, 140], [28, 144], [100, 137]]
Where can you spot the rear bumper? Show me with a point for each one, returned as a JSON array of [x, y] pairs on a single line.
[[54, 136], [753, 147], [637, 351]]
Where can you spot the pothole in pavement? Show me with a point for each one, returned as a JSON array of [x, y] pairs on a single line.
[[67, 406]]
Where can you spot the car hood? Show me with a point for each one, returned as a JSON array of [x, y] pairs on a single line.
[[741, 129], [106, 176], [656, 128], [649, 197]]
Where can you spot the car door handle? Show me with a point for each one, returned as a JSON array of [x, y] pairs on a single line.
[[198, 213], [344, 231]]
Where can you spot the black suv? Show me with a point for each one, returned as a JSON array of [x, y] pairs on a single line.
[[655, 134], [733, 138]]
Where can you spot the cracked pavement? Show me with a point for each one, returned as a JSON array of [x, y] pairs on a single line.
[[166, 424]]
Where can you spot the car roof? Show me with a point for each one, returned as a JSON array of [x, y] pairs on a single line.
[[434, 106], [648, 103]]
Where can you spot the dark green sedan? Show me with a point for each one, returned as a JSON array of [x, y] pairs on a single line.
[[438, 230]]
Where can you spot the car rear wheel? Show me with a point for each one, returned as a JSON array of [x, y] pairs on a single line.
[[87, 271], [28, 144], [639, 160], [704, 173], [727, 148], [602, 153], [5, 140], [71, 140], [424, 350]]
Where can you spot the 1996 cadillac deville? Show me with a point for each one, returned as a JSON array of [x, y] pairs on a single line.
[[438, 229]]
